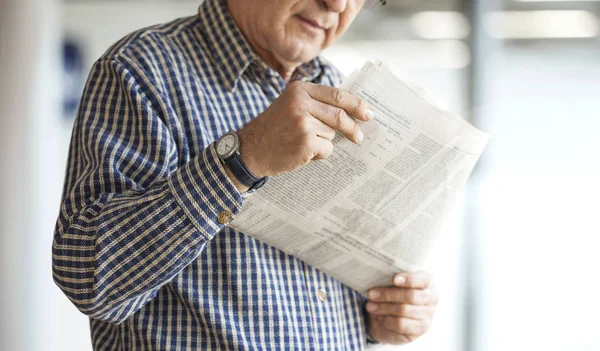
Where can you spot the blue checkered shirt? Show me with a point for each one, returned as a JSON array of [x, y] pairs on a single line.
[[138, 246]]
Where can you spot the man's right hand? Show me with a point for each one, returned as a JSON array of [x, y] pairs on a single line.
[[299, 127]]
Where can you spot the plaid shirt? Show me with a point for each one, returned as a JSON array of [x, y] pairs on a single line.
[[138, 245]]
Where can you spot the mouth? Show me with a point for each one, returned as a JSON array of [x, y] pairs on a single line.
[[312, 24]]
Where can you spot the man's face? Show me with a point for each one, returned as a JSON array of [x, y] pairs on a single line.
[[294, 30]]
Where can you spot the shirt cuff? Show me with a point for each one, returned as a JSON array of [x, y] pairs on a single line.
[[205, 193]]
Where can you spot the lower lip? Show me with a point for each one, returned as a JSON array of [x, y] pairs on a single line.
[[311, 26]]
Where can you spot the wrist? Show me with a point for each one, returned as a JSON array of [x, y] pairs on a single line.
[[248, 152], [240, 187], [229, 150]]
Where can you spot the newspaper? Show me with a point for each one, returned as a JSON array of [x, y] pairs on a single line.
[[370, 210]]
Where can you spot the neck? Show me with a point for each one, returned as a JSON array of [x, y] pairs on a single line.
[[285, 69]]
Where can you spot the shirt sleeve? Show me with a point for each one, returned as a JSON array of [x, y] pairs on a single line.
[[132, 217]]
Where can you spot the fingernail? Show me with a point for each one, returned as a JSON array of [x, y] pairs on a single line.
[[361, 136], [373, 294], [371, 307], [399, 280], [370, 114]]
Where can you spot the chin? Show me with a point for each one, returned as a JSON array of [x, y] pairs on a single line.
[[301, 51]]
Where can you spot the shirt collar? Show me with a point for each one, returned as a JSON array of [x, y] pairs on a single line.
[[232, 53], [310, 70]]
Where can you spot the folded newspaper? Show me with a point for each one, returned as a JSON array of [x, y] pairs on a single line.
[[371, 210]]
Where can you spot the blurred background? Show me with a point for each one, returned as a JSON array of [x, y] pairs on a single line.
[[518, 265]]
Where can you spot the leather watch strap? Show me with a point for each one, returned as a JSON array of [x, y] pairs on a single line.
[[243, 174]]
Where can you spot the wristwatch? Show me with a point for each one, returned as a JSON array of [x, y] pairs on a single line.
[[228, 150]]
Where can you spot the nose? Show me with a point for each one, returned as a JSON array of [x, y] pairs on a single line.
[[335, 5]]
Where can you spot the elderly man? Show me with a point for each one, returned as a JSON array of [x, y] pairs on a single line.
[[177, 123]]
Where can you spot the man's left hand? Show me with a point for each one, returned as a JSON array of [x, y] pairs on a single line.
[[402, 313]]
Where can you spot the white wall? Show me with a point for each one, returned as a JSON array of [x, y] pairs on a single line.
[[538, 200], [31, 178]]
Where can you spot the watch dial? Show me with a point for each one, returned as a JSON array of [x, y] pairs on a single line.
[[226, 145]]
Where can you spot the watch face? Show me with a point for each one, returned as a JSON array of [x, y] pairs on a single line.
[[226, 146]]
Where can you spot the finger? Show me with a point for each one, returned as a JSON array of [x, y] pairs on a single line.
[[405, 326], [342, 99], [400, 310], [416, 280], [322, 148], [323, 130], [384, 335], [338, 119], [402, 295]]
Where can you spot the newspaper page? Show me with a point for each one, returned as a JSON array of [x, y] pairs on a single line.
[[370, 210]]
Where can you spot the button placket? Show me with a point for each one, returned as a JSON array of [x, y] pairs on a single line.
[[322, 295]]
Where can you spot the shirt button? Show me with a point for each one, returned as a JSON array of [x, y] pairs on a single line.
[[224, 217], [322, 294]]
